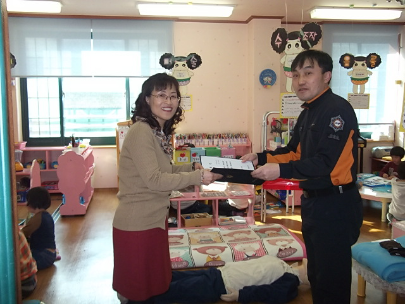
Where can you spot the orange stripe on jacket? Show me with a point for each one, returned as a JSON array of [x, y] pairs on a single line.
[[342, 174], [285, 158]]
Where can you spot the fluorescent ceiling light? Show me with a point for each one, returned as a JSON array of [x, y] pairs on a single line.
[[348, 13], [184, 9], [31, 6]]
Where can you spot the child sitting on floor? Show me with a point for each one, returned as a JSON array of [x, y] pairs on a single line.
[[396, 208], [390, 169], [266, 279], [40, 228]]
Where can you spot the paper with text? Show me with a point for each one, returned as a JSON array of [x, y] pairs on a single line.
[[209, 162]]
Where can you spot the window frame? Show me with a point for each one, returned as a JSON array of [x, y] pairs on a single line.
[[64, 139]]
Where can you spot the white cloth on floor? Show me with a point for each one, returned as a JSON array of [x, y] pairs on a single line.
[[260, 271]]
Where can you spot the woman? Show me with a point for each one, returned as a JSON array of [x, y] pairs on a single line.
[[142, 267]]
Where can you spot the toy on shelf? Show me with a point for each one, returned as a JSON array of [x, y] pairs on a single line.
[[18, 165], [78, 145], [22, 189], [42, 164], [20, 145]]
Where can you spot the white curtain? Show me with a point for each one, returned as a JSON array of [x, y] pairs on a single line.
[[55, 47], [361, 40]]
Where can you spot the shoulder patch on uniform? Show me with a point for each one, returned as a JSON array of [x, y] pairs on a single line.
[[336, 123]]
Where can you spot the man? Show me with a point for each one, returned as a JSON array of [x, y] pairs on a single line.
[[322, 153]]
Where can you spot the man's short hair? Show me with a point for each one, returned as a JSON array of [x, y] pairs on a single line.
[[323, 59], [397, 151]]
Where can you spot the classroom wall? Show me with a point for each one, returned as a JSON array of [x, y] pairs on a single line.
[[227, 95]]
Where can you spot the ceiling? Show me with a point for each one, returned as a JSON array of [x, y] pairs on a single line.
[[291, 11]]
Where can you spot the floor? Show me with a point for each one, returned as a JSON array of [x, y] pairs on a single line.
[[84, 273]]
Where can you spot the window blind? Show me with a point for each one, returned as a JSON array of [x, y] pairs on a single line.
[[50, 47], [361, 40]]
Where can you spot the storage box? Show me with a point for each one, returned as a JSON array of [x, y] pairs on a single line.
[[213, 151], [182, 156], [196, 219], [50, 185], [228, 152], [20, 145], [195, 154]]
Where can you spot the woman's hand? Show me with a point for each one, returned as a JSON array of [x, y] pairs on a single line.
[[208, 177], [197, 166]]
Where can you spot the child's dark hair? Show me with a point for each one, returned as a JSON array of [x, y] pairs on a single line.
[[397, 151], [38, 198], [401, 170]]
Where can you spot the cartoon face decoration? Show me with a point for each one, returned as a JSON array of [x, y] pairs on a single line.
[[181, 68], [294, 43], [359, 64]]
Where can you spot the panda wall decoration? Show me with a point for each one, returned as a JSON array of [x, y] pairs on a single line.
[[293, 43], [181, 68], [359, 66]]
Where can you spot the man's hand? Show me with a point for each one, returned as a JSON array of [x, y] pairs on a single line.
[[251, 156], [269, 171], [233, 295]]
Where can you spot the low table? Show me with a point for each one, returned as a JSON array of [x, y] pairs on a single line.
[[383, 197], [215, 196]]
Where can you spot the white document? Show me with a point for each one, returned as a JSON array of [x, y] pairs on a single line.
[[209, 162]]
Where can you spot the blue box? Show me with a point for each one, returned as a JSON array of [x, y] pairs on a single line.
[[195, 154]]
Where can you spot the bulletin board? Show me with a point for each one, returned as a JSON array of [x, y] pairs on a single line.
[[290, 105]]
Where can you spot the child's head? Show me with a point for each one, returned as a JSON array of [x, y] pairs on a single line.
[[38, 198], [401, 170], [397, 153]]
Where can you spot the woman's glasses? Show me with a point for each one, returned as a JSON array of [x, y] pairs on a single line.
[[164, 97]]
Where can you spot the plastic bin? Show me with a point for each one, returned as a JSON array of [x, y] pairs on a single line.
[[228, 152], [195, 154], [213, 151], [182, 156]]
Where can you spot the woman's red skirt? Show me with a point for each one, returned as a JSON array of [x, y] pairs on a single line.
[[142, 266]]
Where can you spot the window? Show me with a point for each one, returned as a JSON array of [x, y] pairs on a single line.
[[361, 40], [56, 108], [82, 76]]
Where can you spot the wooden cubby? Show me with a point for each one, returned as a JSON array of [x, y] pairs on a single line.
[[48, 155]]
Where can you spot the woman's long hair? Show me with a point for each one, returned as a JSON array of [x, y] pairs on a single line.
[[157, 82]]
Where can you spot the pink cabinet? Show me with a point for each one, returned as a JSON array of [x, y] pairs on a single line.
[[42, 174], [74, 172]]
